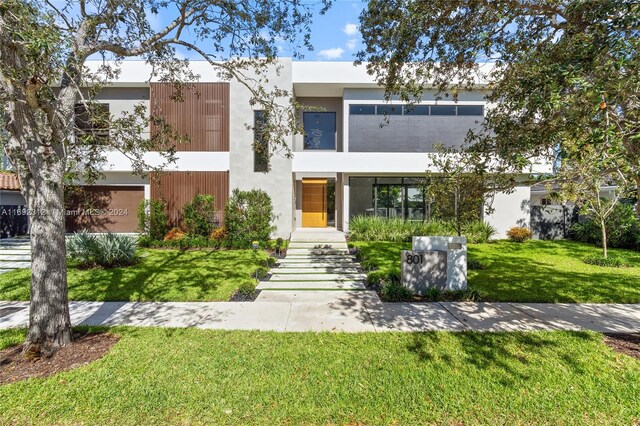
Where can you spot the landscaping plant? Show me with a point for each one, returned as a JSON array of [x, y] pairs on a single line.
[[247, 218], [199, 215], [152, 219], [106, 250], [519, 234]]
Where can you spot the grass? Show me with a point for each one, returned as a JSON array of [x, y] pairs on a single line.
[[189, 376], [535, 271], [162, 275]]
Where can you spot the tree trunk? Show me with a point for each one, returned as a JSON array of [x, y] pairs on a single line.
[[603, 229], [49, 319]]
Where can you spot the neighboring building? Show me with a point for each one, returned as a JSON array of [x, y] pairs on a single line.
[[346, 163]]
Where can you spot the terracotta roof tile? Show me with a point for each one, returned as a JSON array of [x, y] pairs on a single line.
[[9, 181]]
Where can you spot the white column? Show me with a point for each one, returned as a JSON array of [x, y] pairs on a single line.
[[345, 203]]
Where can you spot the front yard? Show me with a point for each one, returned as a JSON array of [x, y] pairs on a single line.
[[534, 271], [189, 376], [161, 275]]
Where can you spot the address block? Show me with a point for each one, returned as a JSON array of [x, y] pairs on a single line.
[[422, 270]]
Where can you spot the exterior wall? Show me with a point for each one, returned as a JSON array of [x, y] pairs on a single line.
[[278, 182], [103, 208], [179, 188], [203, 114], [326, 105], [408, 133], [124, 99], [510, 210]]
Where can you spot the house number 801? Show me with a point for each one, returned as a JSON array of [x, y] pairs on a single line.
[[414, 258]]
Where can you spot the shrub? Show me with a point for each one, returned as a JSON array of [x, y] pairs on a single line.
[[519, 234], [152, 218], [395, 292], [247, 218], [199, 215], [106, 250], [473, 264], [174, 234], [247, 289], [372, 228], [218, 234], [478, 231], [597, 259], [114, 250], [623, 229], [81, 247]]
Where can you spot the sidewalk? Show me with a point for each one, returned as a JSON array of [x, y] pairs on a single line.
[[347, 311]]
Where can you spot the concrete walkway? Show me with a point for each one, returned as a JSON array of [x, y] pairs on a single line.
[[349, 311], [15, 253], [317, 259]]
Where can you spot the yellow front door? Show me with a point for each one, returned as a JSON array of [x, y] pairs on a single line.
[[314, 203]]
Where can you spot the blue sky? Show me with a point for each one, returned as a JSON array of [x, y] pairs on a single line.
[[335, 36]]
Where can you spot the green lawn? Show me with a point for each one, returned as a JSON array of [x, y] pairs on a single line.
[[162, 275], [535, 271], [189, 376]]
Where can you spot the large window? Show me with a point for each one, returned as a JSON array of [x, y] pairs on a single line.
[[401, 198], [389, 197], [260, 142], [388, 109], [319, 130]]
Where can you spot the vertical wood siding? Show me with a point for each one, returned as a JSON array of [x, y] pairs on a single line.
[[179, 188], [103, 208], [203, 115]]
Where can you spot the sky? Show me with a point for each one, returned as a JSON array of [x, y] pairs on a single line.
[[335, 36]]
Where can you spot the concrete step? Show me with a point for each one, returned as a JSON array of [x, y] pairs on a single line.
[[317, 265], [312, 270], [344, 297], [325, 245], [312, 285], [14, 264], [24, 257], [317, 252], [14, 250], [317, 277]]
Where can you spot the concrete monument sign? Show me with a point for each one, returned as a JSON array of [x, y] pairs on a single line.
[[456, 250]]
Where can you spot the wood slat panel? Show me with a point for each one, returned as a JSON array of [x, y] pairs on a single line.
[[179, 188], [203, 115]]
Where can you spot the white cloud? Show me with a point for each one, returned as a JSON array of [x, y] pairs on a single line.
[[351, 44], [350, 29], [334, 53]]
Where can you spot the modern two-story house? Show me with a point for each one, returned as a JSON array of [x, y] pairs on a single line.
[[345, 164]]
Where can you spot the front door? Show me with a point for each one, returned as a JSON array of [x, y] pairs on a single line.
[[314, 203]]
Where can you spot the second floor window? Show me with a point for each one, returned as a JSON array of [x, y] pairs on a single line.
[[319, 130], [260, 142], [92, 123]]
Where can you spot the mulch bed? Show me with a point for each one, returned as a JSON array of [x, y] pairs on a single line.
[[85, 348], [626, 343]]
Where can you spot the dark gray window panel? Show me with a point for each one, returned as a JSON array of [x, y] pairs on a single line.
[[470, 110], [320, 130], [416, 110], [408, 133], [389, 109], [443, 110], [362, 109]]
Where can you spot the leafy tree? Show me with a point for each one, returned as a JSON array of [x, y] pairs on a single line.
[[44, 46], [563, 76]]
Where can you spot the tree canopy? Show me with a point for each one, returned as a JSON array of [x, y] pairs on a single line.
[[46, 84], [561, 75]]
